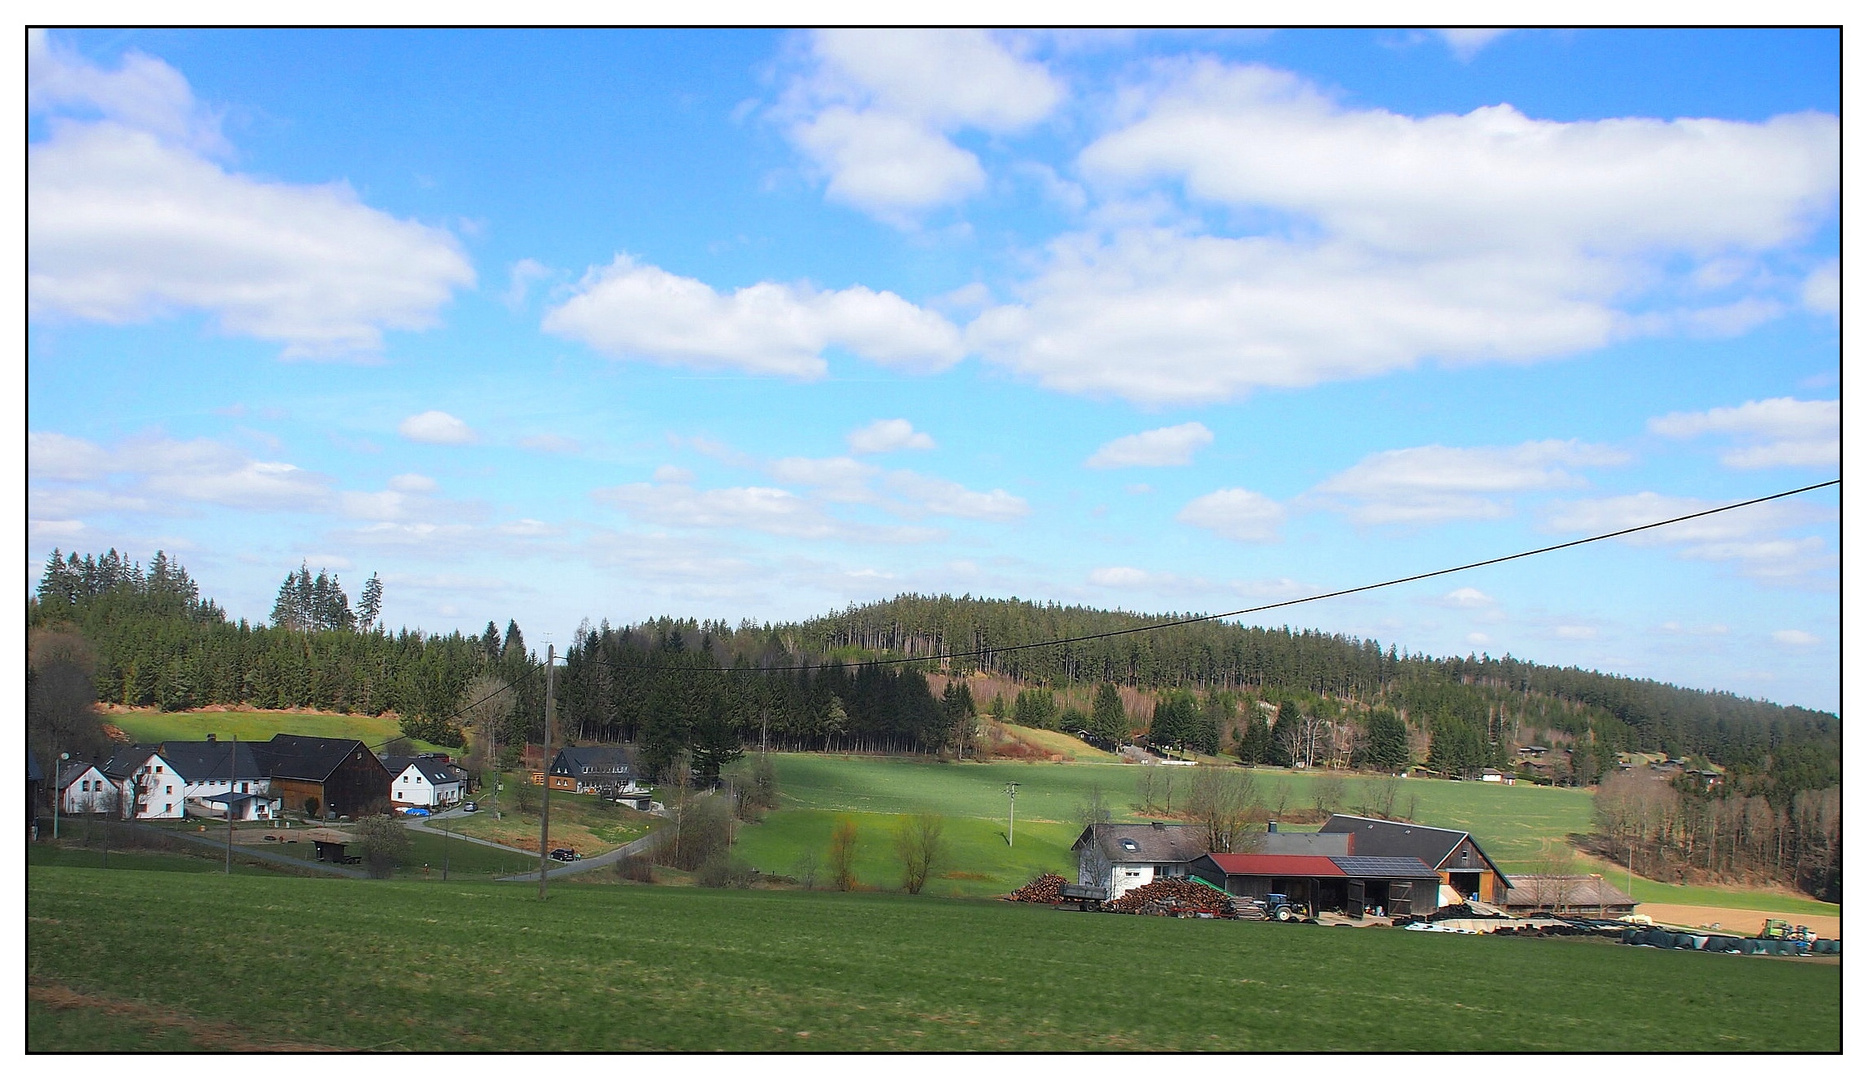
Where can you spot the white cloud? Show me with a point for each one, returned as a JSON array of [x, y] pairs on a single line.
[[551, 444], [1466, 42], [1800, 638], [1753, 538], [160, 475], [875, 111], [1775, 432], [933, 495], [1391, 240], [143, 93], [127, 222], [53, 456], [411, 482], [1236, 514], [838, 479], [1573, 632], [523, 274], [1822, 289], [435, 426], [1439, 483], [628, 310], [1162, 446], [883, 436], [761, 509], [1467, 597], [1120, 577]]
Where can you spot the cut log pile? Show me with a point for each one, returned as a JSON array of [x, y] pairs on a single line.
[[1042, 889], [1174, 896]]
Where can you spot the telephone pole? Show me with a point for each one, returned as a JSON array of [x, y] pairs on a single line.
[[1011, 810], [544, 811], [233, 775]]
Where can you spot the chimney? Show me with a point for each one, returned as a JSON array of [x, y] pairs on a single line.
[[1271, 826]]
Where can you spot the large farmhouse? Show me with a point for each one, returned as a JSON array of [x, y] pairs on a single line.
[[336, 776], [601, 770], [1454, 855], [1352, 884]]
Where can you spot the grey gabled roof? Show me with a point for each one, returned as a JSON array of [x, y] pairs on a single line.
[[69, 775], [308, 757], [1405, 839], [199, 761], [601, 760], [125, 760], [1299, 843], [1147, 841], [433, 770]]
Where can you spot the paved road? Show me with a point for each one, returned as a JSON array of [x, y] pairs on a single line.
[[554, 870]]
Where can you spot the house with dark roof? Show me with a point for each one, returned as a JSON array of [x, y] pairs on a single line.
[[1454, 855], [333, 776], [84, 789], [164, 778], [1117, 856], [151, 787], [602, 770], [425, 780]]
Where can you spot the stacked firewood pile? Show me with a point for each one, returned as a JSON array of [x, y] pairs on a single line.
[[1174, 896], [1042, 889]]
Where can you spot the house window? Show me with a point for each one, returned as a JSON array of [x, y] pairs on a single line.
[[168, 789]]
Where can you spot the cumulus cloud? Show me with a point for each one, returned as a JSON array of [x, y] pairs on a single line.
[[1236, 514], [1467, 597], [1772, 433], [770, 510], [127, 221], [1755, 539], [1799, 638], [1822, 289], [1393, 239], [435, 426], [876, 108], [153, 474], [883, 436], [1426, 484], [631, 311], [1162, 446]]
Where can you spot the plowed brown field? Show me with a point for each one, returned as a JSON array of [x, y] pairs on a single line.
[[1744, 922]]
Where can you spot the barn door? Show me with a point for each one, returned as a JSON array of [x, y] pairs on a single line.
[[1356, 897], [1400, 897]]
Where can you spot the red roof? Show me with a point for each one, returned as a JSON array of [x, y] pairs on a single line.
[[1277, 865]]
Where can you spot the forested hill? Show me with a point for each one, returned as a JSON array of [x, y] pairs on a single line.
[[1621, 713]]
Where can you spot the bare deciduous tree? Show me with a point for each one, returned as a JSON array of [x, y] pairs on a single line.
[[1223, 800], [920, 845], [842, 858]]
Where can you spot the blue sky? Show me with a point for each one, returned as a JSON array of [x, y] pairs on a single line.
[[560, 325]]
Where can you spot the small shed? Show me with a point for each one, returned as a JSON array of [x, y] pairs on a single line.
[[330, 845], [1567, 894]]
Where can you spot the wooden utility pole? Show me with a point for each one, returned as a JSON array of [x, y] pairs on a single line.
[[544, 810], [1011, 810], [233, 773]]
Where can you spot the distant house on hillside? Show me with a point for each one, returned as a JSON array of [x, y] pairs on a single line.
[[425, 780], [1123, 856], [164, 778], [150, 785], [599, 770], [1453, 854]]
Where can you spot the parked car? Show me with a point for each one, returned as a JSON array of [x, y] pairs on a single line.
[[415, 811], [565, 854], [470, 808]]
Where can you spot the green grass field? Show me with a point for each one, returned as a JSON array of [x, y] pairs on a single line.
[[166, 961], [150, 726]]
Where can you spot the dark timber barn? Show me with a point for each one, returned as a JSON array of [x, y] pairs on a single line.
[[1351, 884]]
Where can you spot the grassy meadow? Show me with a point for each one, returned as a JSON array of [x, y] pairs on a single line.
[[170, 961], [259, 725]]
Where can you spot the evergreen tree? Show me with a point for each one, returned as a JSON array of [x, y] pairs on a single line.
[[1386, 747], [1109, 721], [1255, 738], [370, 604]]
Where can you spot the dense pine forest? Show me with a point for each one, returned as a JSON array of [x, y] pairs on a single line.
[[891, 677]]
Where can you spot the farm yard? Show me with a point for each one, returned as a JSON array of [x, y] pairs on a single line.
[[612, 967]]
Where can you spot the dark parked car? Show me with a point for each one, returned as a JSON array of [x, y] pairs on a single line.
[[565, 854]]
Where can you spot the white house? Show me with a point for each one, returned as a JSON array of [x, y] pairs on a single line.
[[84, 789], [1119, 857], [425, 781], [150, 785]]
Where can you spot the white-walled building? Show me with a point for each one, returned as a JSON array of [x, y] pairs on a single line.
[[425, 781], [84, 789]]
